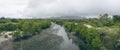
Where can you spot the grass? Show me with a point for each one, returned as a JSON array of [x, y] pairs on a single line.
[[109, 30]]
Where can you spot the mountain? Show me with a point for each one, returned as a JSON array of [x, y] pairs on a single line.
[[68, 17]]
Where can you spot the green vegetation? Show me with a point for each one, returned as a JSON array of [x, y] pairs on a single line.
[[101, 33], [23, 28], [97, 33]]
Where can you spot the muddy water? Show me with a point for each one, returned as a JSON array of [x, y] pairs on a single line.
[[53, 38]]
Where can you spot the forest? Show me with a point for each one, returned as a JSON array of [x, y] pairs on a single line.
[[101, 33], [23, 28]]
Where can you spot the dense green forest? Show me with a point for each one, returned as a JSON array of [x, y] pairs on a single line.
[[101, 33], [23, 28]]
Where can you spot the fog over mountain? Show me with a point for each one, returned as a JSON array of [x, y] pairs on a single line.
[[46, 8]]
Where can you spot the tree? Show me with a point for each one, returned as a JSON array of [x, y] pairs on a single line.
[[105, 20], [16, 34], [116, 18], [104, 16], [14, 20], [2, 18]]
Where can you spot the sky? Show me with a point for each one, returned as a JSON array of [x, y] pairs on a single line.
[[48, 8]]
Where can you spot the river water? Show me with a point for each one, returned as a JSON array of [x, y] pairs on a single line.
[[53, 38]]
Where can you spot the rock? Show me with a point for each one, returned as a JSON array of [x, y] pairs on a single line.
[[6, 36]]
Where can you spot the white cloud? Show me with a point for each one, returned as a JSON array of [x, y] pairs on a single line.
[[72, 7], [37, 8], [12, 8]]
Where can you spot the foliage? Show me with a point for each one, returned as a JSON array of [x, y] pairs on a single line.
[[28, 27], [104, 34], [116, 18]]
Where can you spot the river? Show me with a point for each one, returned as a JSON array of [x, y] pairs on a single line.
[[53, 38]]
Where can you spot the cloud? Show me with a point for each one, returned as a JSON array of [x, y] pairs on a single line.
[[12, 8], [43, 8], [72, 7]]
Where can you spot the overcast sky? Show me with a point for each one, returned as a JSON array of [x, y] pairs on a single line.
[[43, 8]]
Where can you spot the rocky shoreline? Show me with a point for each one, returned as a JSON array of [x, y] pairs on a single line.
[[6, 35]]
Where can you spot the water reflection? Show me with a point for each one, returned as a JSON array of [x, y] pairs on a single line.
[[54, 38], [67, 44]]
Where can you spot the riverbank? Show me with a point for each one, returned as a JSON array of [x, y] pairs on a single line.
[[6, 35], [53, 38]]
